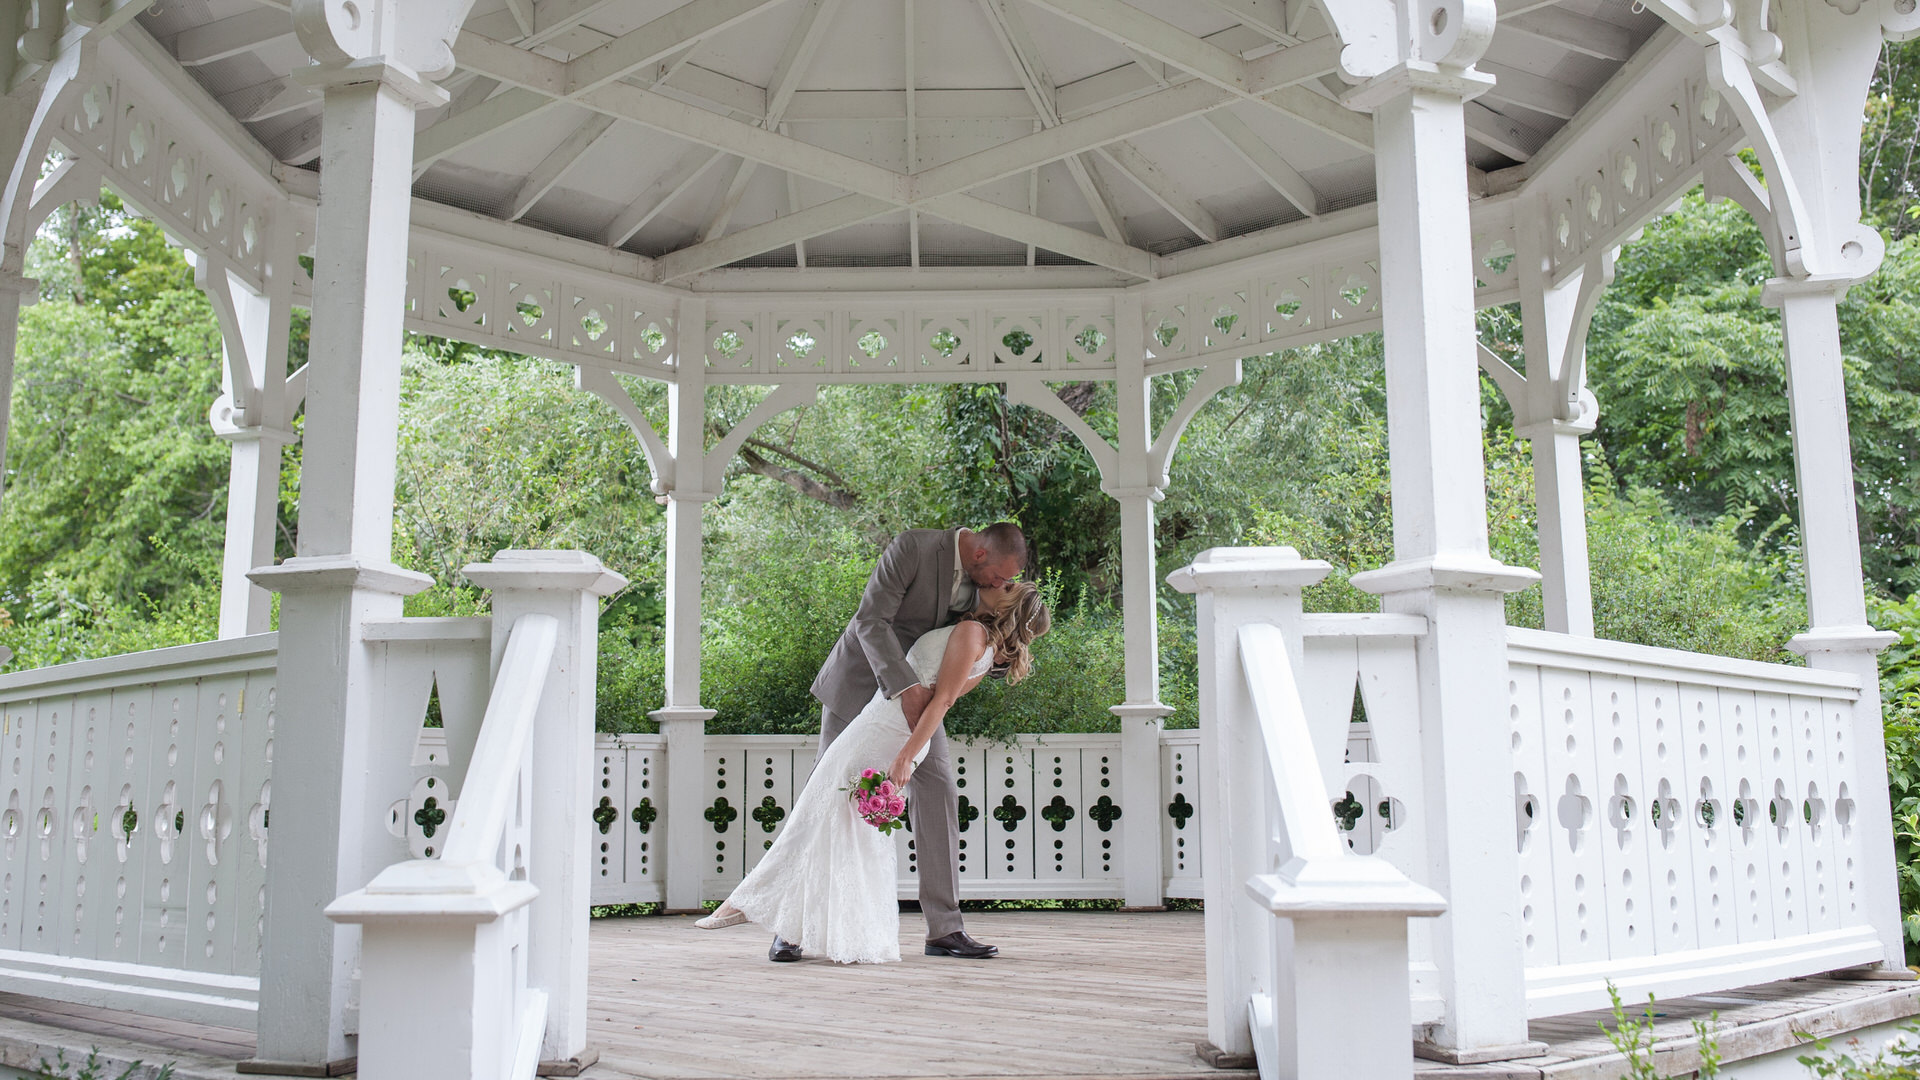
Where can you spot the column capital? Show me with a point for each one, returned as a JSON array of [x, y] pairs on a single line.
[[1455, 572], [1148, 491], [1415, 75], [407, 84], [1216, 569], [1579, 428], [570, 571], [1776, 290], [1836, 639], [305, 573], [20, 285], [1140, 710], [681, 714], [674, 495]]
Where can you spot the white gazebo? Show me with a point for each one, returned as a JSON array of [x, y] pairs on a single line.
[[797, 193]]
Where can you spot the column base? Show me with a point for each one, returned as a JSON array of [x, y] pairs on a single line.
[[572, 1066], [1479, 1055], [1220, 1059], [337, 1067]]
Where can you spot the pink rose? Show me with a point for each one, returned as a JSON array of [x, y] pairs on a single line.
[[867, 775], [897, 806]]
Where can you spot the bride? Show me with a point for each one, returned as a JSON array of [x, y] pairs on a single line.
[[828, 883]]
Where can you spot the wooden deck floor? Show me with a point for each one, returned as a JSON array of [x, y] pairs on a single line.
[[1073, 995]]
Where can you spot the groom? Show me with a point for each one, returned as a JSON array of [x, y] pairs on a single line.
[[926, 579]]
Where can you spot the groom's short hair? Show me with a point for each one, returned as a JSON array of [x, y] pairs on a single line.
[[1005, 540]]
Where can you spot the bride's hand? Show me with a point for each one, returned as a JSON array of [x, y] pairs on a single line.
[[901, 771]]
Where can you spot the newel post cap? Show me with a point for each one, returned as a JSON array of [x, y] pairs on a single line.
[[551, 570], [433, 891], [1248, 568]]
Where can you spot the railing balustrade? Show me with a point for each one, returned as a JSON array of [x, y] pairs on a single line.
[[461, 918], [135, 802], [1685, 823]]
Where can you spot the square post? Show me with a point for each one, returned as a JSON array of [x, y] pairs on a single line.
[[1142, 714], [1441, 568], [332, 717], [1838, 636], [567, 585], [683, 723]]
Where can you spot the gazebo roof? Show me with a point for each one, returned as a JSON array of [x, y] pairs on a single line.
[[877, 134]]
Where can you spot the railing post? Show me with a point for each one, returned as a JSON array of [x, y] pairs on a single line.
[[566, 585], [1233, 587]]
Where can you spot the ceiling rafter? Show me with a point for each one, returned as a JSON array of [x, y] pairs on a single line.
[[787, 73], [231, 36], [656, 40], [553, 168], [1579, 33], [1269, 17], [551, 18], [266, 100], [664, 189], [536, 76], [1249, 147], [1269, 80], [1137, 167], [1015, 40], [1517, 140], [1531, 91]]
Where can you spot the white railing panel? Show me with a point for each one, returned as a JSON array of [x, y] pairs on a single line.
[[134, 810], [1682, 820], [1180, 785]]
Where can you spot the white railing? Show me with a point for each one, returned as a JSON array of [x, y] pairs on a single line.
[[134, 812], [1347, 914], [1684, 822], [463, 915]]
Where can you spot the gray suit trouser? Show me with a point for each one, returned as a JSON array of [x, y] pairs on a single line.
[[934, 810]]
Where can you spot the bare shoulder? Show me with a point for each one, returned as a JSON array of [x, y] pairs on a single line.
[[968, 636]]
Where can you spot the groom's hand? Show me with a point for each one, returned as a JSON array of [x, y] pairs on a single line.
[[913, 702]]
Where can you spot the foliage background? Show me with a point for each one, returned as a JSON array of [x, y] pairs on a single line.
[[115, 486]]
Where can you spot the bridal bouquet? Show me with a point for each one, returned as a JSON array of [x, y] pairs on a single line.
[[878, 802]]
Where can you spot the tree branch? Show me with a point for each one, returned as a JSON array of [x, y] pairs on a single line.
[[836, 497]]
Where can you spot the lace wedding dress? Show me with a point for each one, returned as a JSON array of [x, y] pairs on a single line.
[[828, 883]]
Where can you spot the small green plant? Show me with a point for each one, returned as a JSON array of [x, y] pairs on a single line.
[[1632, 1037], [1899, 1059], [94, 1069]]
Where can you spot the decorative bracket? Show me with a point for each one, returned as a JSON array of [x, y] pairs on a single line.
[[1036, 394], [779, 400], [1217, 377], [659, 459]]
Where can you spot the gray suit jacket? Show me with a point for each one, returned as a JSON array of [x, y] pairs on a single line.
[[907, 596]]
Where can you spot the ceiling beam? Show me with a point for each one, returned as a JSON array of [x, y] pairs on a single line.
[[1531, 91], [522, 12], [1269, 17], [1024, 53], [792, 228], [665, 188], [1017, 225], [1577, 33], [231, 36], [551, 18], [553, 168], [266, 100], [1249, 147], [792, 66], [656, 40], [1129, 25], [1503, 133], [1137, 167]]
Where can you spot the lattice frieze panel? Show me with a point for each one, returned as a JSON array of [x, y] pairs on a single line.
[[876, 341], [945, 342], [1225, 319], [1020, 339], [1494, 271], [1086, 339], [1712, 118], [803, 343], [733, 344], [530, 312], [1289, 306], [1670, 143], [157, 165], [1167, 331], [650, 339], [592, 324], [1352, 291], [456, 293]]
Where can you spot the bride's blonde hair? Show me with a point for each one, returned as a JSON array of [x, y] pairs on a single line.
[[1012, 626]]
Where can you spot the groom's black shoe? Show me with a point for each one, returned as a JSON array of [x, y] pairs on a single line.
[[959, 944], [783, 951]]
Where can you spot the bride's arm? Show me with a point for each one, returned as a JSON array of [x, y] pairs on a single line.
[[964, 646]]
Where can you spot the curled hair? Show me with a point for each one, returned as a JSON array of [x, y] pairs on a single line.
[[1012, 626]]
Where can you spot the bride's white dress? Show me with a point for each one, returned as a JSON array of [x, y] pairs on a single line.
[[828, 882]]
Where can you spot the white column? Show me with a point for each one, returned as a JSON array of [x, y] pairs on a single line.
[[1838, 636], [567, 585], [1559, 497], [682, 721], [1142, 714], [331, 828], [15, 292], [1441, 566], [256, 432]]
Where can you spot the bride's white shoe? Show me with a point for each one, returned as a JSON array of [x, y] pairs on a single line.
[[717, 921]]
